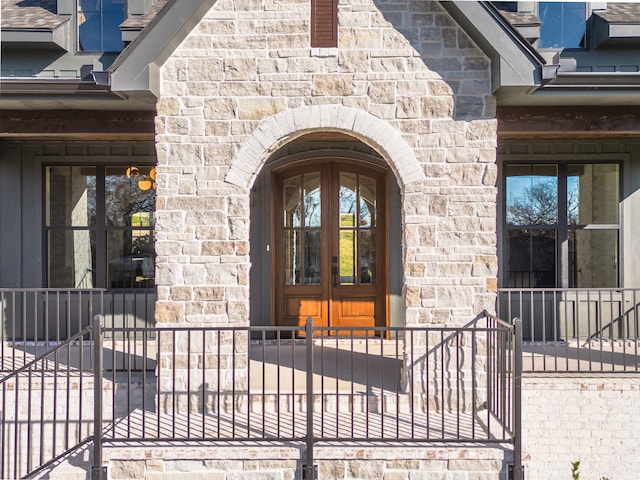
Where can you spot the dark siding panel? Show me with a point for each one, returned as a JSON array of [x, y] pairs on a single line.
[[10, 218], [324, 23], [31, 221]]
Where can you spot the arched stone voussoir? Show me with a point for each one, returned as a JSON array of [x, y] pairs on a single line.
[[285, 126]]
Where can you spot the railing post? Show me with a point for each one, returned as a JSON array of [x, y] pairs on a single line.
[[96, 468], [518, 473], [308, 472]]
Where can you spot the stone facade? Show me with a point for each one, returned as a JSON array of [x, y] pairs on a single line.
[[404, 80], [285, 463]]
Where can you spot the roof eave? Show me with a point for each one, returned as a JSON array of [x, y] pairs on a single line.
[[514, 62], [136, 68]]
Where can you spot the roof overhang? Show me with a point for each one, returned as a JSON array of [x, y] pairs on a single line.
[[612, 34], [514, 63], [55, 93], [37, 38], [137, 67]]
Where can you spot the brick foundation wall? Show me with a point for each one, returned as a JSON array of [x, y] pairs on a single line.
[[593, 420]]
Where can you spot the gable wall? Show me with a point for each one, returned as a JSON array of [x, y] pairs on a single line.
[[404, 65]]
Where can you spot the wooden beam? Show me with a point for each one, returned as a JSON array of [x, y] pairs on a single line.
[[76, 125], [568, 122]]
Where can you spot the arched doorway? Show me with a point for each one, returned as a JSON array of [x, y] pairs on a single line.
[[313, 151], [329, 232]]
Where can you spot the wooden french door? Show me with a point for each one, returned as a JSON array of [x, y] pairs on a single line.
[[330, 244]]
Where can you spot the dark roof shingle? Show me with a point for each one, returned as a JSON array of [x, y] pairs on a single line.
[[140, 21], [620, 13], [30, 15]]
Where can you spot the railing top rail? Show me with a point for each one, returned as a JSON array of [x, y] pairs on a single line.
[[75, 290], [501, 322], [44, 355], [566, 290], [275, 329]]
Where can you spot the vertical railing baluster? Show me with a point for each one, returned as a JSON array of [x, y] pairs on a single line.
[[310, 438], [518, 473], [98, 366]]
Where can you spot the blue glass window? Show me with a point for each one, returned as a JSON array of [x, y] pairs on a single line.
[[563, 24], [99, 25]]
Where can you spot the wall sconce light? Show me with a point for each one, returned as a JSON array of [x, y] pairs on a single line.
[[145, 182]]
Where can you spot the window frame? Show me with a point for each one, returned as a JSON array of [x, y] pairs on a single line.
[[77, 24], [584, 43], [101, 229], [562, 226]]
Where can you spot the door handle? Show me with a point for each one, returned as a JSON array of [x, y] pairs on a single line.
[[334, 271]]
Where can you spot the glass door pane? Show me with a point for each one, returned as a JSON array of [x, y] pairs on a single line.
[[302, 229], [357, 218]]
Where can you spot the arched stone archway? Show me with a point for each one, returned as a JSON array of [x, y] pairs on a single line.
[[310, 153], [290, 124]]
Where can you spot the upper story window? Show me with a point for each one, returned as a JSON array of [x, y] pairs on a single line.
[[563, 24], [99, 25]]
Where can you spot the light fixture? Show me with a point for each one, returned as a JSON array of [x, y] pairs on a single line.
[[145, 182], [133, 171]]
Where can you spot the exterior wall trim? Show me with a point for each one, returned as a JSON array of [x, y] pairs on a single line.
[[285, 126]]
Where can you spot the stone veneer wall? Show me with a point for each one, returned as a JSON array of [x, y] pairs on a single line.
[[240, 462], [407, 80]]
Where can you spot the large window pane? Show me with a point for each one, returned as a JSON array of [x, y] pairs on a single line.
[[532, 195], [71, 196], [99, 25], [129, 196], [593, 194], [130, 258], [593, 258], [72, 256], [99, 225], [532, 258], [563, 24]]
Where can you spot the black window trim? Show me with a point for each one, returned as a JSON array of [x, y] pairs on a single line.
[[99, 162], [562, 160]]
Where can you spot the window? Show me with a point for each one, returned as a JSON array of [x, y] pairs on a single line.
[[99, 224], [563, 24], [562, 225], [99, 25]]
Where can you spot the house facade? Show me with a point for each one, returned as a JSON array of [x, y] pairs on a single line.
[[363, 164]]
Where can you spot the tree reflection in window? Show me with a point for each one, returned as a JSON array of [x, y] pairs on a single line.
[[99, 226]]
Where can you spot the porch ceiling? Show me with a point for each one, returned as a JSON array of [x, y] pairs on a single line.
[[77, 125], [564, 122]]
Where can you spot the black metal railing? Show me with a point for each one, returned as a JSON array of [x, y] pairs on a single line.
[[307, 384], [319, 384], [576, 330], [33, 321], [46, 408]]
